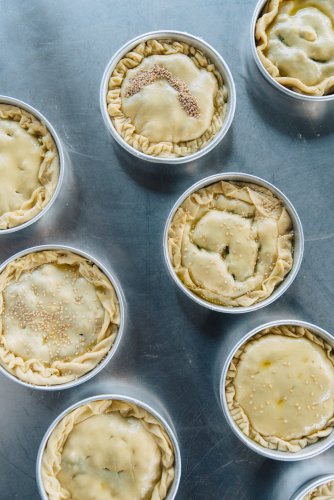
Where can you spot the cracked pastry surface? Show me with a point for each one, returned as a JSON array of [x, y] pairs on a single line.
[[155, 119], [59, 317], [29, 166], [295, 43], [280, 388], [323, 492], [231, 243], [110, 450]]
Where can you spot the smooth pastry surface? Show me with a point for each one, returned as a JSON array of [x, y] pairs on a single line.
[[29, 166], [323, 492], [280, 388], [295, 42], [154, 91], [231, 243], [59, 317], [110, 450]]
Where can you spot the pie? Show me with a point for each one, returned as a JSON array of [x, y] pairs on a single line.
[[295, 43], [29, 166], [231, 243], [165, 98], [59, 317], [280, 388], [323, 492], [108, 450]]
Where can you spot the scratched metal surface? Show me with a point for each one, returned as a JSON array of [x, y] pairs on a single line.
[[53, 55]]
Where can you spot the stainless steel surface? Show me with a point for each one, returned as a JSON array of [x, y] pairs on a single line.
[[311, 485], [122, 310], [110, 205], [123, 397], [309, 451], [62, 158], [214, 57], [298, 242]]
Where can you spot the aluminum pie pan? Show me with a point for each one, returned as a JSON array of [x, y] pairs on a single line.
[[291, 93], [57, 141], [311, 485], [298, 241], [215, 58], [310, 450], [177, 455], [114, 347]]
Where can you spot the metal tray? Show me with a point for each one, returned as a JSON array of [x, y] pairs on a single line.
[[114, 207]]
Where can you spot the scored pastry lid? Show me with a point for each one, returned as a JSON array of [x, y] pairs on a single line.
[[319, 483]]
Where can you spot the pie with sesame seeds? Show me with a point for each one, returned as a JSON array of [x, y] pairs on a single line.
[[29, 166], [324, 491], [59, 317], [110, 450], [280, 388], [295, 43], [231, 243], [166, 99]]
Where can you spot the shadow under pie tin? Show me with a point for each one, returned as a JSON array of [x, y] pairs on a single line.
[[287, 91], [312, 485], [298, 245], [61, 156], [214, 57], [311, 450], [114, 396], [122, 306]]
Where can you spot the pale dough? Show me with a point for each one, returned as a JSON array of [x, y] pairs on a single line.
[[322, 492]]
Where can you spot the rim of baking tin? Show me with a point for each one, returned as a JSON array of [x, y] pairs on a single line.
[[27, 107], [310, 450], [298, 248], [295, 95], [217, 60], [120, 296], [177, 455], [311, 485]]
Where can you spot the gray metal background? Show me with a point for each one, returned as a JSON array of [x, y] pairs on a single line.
[[53, 55]]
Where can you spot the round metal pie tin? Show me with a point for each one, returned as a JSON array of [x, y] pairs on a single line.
[[177, 455], [296, 95], [297, 252], [41, 118], [107, 358], [216, 59], [312, 485], [310, 450]]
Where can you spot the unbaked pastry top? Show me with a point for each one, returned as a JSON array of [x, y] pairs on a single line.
[[231, 243], [108, 450], [295, 42], [29, 166], [322, 492], [59, 317]]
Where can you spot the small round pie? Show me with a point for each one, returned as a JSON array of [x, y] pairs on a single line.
[[29, 166], [280, 388], [108, 450], [323, 492], [59, 317], [166, 99], [295, 43], [231, 243]]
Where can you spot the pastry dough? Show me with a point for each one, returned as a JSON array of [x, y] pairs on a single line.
[[108, 450], [231, 243], [295, 43], [59, 317], [280, 388], [29, 166], [152, 120], [322, 492]]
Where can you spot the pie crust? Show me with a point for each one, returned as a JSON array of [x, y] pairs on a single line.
[[280, 388], [152, 119], [29, 166], [323, 492], [59, 317], [231, 243], [115, 450]]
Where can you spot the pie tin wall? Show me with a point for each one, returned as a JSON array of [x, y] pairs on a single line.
[[115, 208]]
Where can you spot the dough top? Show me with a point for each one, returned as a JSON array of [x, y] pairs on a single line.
[[323, 492], [295, 41], [29, 166], [231, 243]]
